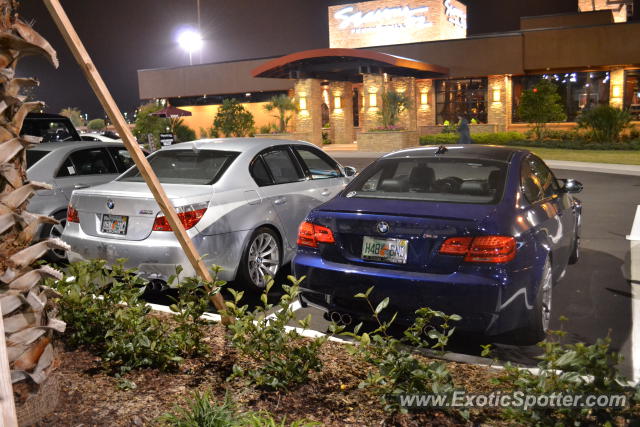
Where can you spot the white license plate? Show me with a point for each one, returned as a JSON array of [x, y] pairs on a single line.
[[386, 250], [114, 224]]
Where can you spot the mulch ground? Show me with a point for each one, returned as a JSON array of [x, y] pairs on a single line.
[[90, 397]]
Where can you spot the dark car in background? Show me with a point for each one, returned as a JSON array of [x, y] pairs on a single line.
[[50, 127], [479, 231]]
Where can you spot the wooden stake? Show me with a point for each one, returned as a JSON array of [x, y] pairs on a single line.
[[8, 416], [100, 89]]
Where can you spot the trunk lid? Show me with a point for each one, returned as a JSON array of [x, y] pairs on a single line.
[[423, 225], [133, 200]]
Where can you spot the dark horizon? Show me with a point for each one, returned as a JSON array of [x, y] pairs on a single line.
[[232, 29]]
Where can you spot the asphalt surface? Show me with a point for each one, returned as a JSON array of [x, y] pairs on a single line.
[[595, 293]]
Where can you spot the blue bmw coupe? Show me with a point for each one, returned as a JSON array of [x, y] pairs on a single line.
[[479, 231]]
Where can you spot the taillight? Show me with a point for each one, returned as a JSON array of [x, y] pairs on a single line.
[[482, 248], [311, 234], [72, 214], [188, 215]]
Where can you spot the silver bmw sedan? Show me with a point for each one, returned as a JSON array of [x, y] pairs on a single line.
[[240, 199]]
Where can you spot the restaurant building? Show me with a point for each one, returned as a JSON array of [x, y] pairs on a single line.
[[421, 48]]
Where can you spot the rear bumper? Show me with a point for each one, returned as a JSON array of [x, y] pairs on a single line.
[[479, 299], [157, 256]]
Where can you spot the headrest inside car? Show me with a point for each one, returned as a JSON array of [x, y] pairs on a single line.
[[421, 177], [393, 185]]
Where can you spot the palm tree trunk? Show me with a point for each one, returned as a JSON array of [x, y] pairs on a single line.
[[28, 315]]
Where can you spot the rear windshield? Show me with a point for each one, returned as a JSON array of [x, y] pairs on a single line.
[[202, 167], [34, 156], [431, 179]]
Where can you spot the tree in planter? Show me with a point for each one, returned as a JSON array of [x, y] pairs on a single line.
[[29, 320], [393, 104], [541, 105], [283, 105], [604, 122], [233, 120], [183, 133], [74, 114], [96, 124], [147, 124]]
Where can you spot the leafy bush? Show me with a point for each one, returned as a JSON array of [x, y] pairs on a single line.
[[233, 120], [569, 369], [541, 105], [148, 124], [96, 124], [518, 140], [269, 128], [604, 122], [104, 311], [184, 133], [280, 358], [398, 371], [202, 411]]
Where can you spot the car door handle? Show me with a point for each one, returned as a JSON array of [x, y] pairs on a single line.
[[79, 186], [280, 201], [325, 192]]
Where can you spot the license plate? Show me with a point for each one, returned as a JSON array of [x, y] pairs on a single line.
[[114, 224], [387, 250]]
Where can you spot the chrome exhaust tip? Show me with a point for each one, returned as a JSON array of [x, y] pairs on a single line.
[[336, 317]]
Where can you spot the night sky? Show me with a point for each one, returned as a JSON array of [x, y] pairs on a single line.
[[123, 36]]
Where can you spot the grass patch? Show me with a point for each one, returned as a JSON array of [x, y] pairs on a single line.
[[626, 157]]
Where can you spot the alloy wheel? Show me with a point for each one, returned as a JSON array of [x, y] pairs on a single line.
[[547, 289], [56, 232], [264, 258]]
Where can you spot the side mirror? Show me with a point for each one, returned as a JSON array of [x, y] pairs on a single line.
[[350, 171], [571, 185]]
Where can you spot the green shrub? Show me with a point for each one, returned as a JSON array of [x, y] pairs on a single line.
[[233, 120], [397, 370], [96, 124], [604, 122], [280, 358], [104, 312], [393, 104], [184, 133], [269, 128], [569, 369], [541, 105], [202, 411]]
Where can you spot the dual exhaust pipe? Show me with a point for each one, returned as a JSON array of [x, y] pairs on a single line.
[[157, 285], [343, 319]]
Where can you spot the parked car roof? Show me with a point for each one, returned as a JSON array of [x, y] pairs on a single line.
[[72, 145], [234, 144], [472, 151]]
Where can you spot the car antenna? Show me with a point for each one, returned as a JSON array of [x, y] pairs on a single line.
[[442, 150]]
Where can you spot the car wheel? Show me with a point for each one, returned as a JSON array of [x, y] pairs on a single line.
[[575, 252], [540, 316], [261, 258], [55, 231]]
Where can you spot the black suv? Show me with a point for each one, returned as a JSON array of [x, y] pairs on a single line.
[[51, 127]]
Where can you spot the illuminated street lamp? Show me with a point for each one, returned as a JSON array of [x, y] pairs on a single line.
[[190, 41]]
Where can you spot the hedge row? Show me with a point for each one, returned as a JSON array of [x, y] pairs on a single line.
[[517, 139]]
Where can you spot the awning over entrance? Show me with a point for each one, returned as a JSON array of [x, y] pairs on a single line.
[[345, 65]]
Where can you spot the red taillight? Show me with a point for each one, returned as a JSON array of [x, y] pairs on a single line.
[[72, 214], [188, 219], [311, 234], [481, 248]]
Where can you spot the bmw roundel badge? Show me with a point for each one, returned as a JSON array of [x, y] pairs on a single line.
[[110, 204], [383, 227]]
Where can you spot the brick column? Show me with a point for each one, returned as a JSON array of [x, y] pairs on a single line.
[[408, 118], [616, 88], [499, 102], [308, 121], [372, 85], [341, 117], [425, 91]]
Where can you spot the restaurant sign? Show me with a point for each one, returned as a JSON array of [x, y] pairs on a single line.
[[386, 22]]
